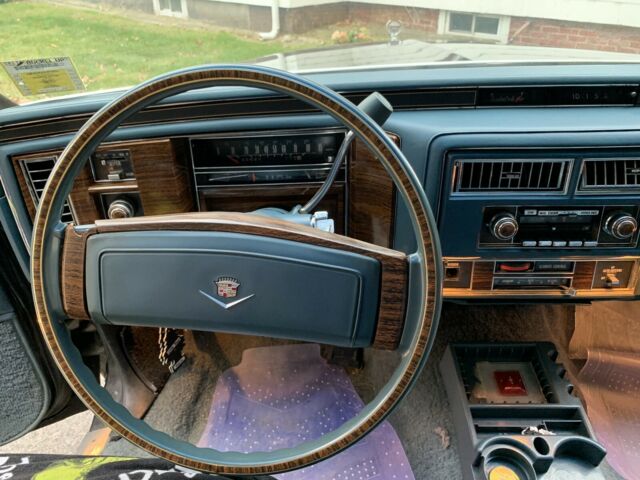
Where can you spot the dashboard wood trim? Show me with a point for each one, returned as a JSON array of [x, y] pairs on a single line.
[[161, 179], [72, 273], [372, 197]]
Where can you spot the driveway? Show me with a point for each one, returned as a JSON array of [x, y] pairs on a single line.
[[63, 437]]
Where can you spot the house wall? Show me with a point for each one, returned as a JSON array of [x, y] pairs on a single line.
[[231, 15], [552, 33], [423, 18], [611, 25]]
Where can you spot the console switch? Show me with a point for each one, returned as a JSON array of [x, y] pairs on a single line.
[[612, 281], [613, 274]]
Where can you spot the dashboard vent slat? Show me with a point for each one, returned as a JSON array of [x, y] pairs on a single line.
[[612, 174], [510, 175], [36, 172]]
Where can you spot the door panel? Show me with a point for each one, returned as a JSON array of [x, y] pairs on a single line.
[[24, 391]]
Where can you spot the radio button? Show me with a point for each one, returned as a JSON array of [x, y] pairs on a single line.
[[575, 243], [559, 243], [554, 266], [591, 243], [544, 243], [529, 243]]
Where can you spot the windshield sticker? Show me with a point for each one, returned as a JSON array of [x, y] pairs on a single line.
[[44, 75]]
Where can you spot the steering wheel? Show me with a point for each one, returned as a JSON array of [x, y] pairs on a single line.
[[355, 293]]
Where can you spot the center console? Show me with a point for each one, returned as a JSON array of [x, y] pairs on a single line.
[[515, 415], [540, 222]]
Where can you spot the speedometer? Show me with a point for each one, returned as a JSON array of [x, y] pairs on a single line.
[[265, 151]]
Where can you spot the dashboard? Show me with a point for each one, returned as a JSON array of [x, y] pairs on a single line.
[[533, 172]]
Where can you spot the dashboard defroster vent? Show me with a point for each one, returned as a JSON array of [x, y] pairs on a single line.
[[510, 175], [610, 174], [37, 171]]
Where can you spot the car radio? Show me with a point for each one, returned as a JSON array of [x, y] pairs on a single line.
[[559, 227]]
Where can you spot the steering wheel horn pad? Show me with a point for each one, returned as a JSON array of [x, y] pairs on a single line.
[[241, 273], [410, 319]]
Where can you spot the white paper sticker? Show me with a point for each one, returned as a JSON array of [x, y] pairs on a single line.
[[44, 75]]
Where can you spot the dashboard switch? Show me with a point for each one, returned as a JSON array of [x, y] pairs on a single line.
[[611, 280], [514, 266], [613, 274], [544, 243], [559, 243], [575, 243], [529, 243]]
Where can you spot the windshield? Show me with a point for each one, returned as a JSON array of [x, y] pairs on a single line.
[[52, 48]]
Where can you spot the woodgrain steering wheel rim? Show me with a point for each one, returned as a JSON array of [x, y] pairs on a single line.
[[424, 298]]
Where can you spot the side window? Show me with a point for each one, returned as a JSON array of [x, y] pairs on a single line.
[[171, 8], [490, 27]]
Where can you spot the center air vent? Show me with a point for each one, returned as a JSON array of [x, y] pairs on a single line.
[[510, 175], [610, 174], [37, 171]]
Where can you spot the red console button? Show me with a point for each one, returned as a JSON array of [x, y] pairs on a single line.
[[510, 383], [515, 267]]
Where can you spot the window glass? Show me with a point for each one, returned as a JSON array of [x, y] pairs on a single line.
[[158, 36], [488, 25], [461, 22]]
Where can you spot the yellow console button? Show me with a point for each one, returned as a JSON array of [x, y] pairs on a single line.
[[503, 473]]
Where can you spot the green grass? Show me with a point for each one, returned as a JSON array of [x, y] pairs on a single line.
[[111, 50]]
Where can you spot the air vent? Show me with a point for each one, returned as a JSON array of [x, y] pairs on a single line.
[[37, 171], [610, 174], [511, 175]]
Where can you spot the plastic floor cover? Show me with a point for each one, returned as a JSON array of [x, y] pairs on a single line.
[[279, 397], [607, 335]]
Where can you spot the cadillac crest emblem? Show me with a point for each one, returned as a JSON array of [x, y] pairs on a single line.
[[227, 287]]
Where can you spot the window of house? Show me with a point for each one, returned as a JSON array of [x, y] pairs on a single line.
[[172, 8], [474, 24]]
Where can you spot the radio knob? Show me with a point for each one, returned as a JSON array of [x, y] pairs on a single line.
[[621, 226], [120, 209], [504, 226]]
